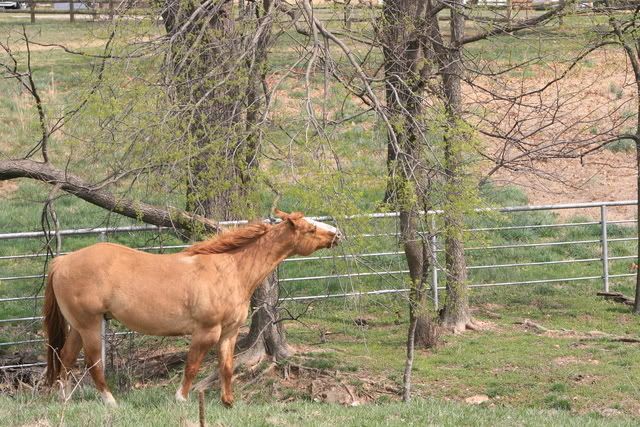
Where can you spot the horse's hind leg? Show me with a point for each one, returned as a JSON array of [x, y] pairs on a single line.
[[68, 357], [92, 343]]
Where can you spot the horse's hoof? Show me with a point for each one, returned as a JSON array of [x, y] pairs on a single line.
[[180, 397], [228, 403], [108, 400]]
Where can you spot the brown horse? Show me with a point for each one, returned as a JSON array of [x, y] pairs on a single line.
[[203, 291]]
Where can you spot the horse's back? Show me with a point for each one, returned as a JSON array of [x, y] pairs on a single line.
[[134, 286]]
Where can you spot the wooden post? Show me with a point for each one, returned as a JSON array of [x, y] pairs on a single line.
[[509, 11], [72, 15], [348, 9], [111, 11], [32, 8]]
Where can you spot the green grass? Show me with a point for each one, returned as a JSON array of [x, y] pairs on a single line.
[[622, 146], [531, 379], [513, 366], [156, 408]]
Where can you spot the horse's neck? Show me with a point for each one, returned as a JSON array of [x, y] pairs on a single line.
[[264, 255]]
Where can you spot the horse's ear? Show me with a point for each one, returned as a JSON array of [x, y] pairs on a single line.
[[282, 215], [296, 215]]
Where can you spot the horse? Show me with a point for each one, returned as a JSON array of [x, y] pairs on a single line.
[[203, 291]]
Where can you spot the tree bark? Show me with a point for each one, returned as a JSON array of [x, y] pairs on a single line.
[[402, 62], [631, 44], [634, 57], [96, 194], [636, 305], [224, 128], [209, 85], [408, 367], [456, 314], [266, 335], [407, 183]]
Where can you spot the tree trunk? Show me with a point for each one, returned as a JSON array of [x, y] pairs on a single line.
[[407, 184], [411, 345], [400, 50], [219, 99], [210, 88], [636, 305], [634, 56], [266, 336], [456, 314]]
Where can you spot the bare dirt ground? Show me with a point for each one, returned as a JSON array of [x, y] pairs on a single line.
[[74, 45], [607, 177], [285, 382], [7, 187], [602, 176]]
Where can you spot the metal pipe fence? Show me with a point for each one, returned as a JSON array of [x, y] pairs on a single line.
[[387, 277]]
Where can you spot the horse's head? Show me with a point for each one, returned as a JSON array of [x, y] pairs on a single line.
[[310, 235]]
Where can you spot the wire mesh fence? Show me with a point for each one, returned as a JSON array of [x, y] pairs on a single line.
[[515, 246]]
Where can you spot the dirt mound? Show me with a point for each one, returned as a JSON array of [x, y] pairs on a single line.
[[7, 187]]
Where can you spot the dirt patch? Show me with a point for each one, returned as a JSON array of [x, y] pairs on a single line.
[[39, 423], [288, 381], [584, 379], [344, 388], [610, 412], [598, 99], [488, 310], [73, 45], [506, 368], [7, 187], [571, 360], [605, 177], [478, 399]]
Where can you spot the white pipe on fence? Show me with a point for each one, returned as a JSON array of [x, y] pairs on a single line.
[[603, 242]]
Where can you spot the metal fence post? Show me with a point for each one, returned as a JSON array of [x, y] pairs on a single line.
[[434, 261], [605, 247]]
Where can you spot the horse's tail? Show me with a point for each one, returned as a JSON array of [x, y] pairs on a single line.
[[55, 327]]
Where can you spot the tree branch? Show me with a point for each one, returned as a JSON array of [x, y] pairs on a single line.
[[516, 26], [45, 172]]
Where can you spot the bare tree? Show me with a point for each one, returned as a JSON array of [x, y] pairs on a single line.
[[553, 120], [425, 68], [624, 32], [402, 31], [216, 71], [214, 76]]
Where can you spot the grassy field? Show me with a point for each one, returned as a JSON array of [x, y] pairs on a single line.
[[154, 408], [569, 375], [529, 377]]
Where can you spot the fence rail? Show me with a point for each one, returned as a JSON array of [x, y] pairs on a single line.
[[74, 7], [396, 273]]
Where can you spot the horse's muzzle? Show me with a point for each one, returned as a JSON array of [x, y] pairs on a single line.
[[337, 238]]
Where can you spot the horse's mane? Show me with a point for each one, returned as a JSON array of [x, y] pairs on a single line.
[[229, 240]]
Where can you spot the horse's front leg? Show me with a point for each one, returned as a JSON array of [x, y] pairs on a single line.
[[201, 342], [226, 348]]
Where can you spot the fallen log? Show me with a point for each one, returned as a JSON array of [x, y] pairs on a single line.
[[617, 297]]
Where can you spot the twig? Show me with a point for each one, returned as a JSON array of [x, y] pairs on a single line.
[[201, 408]]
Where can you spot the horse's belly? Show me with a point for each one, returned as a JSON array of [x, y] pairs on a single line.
[[155, 322]]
